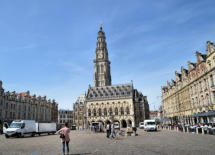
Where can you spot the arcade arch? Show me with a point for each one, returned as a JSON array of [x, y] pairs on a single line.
[[123, 124]]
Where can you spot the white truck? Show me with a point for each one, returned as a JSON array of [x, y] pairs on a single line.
[[19, 128], [49, 128], [150, 125]]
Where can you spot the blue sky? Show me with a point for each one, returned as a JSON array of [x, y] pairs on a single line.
[[48, 46]]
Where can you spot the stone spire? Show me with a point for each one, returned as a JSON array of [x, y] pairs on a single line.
[[102, 76]]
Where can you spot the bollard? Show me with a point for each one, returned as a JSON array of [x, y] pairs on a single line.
[[203, 131], [177, 129], [187, 129], [184, 129], [197, 130]]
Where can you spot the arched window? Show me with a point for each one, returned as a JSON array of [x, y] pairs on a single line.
[[116, 111], [102, 68], [202, 100], [127, 111], [89, 112], [105, 111], [110, 111], [100, 112], [94, 112], [122, 111], [207, 99], [98, 69]]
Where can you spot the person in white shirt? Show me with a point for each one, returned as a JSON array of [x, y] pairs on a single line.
[[108, 130]]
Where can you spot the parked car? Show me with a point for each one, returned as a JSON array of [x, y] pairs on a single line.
[[150, 125], [141, 125]]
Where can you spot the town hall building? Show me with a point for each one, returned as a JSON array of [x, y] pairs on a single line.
[[112, 103]]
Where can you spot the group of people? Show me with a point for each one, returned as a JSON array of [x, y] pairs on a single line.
[[204, 126], [111, 131], [192, 128], [65, 139]]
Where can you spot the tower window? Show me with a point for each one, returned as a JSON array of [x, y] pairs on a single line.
[[105, 111], [110, 111], [122, 111], [100, 112], [127, 110], [116, 111], [94, 112], [89, 112], [102, 69]]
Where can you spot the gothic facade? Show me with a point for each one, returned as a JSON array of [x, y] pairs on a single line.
[[191, 97], [109, 103], [15, 105], [79, 114]]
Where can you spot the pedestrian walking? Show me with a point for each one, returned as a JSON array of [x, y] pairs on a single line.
[[135, 130], [205, 128], [108, 130], [113, 133], [64, 135]]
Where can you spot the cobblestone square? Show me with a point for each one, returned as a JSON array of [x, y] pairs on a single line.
[[86, 142]]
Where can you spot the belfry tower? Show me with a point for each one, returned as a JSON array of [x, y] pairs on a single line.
[[102, 76]]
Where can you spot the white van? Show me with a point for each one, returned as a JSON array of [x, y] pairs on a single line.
[[97, 127], [141, 125], [21, 127], [116, 125], [150, 125], [5, 126]]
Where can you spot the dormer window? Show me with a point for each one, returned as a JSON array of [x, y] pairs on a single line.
[[209, 63]]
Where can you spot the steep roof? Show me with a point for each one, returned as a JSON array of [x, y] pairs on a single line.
[[113, 91]]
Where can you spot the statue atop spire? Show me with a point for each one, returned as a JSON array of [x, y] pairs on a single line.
[[100, 26]]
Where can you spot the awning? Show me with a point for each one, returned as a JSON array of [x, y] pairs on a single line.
[[164, 119], [209, 113]]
